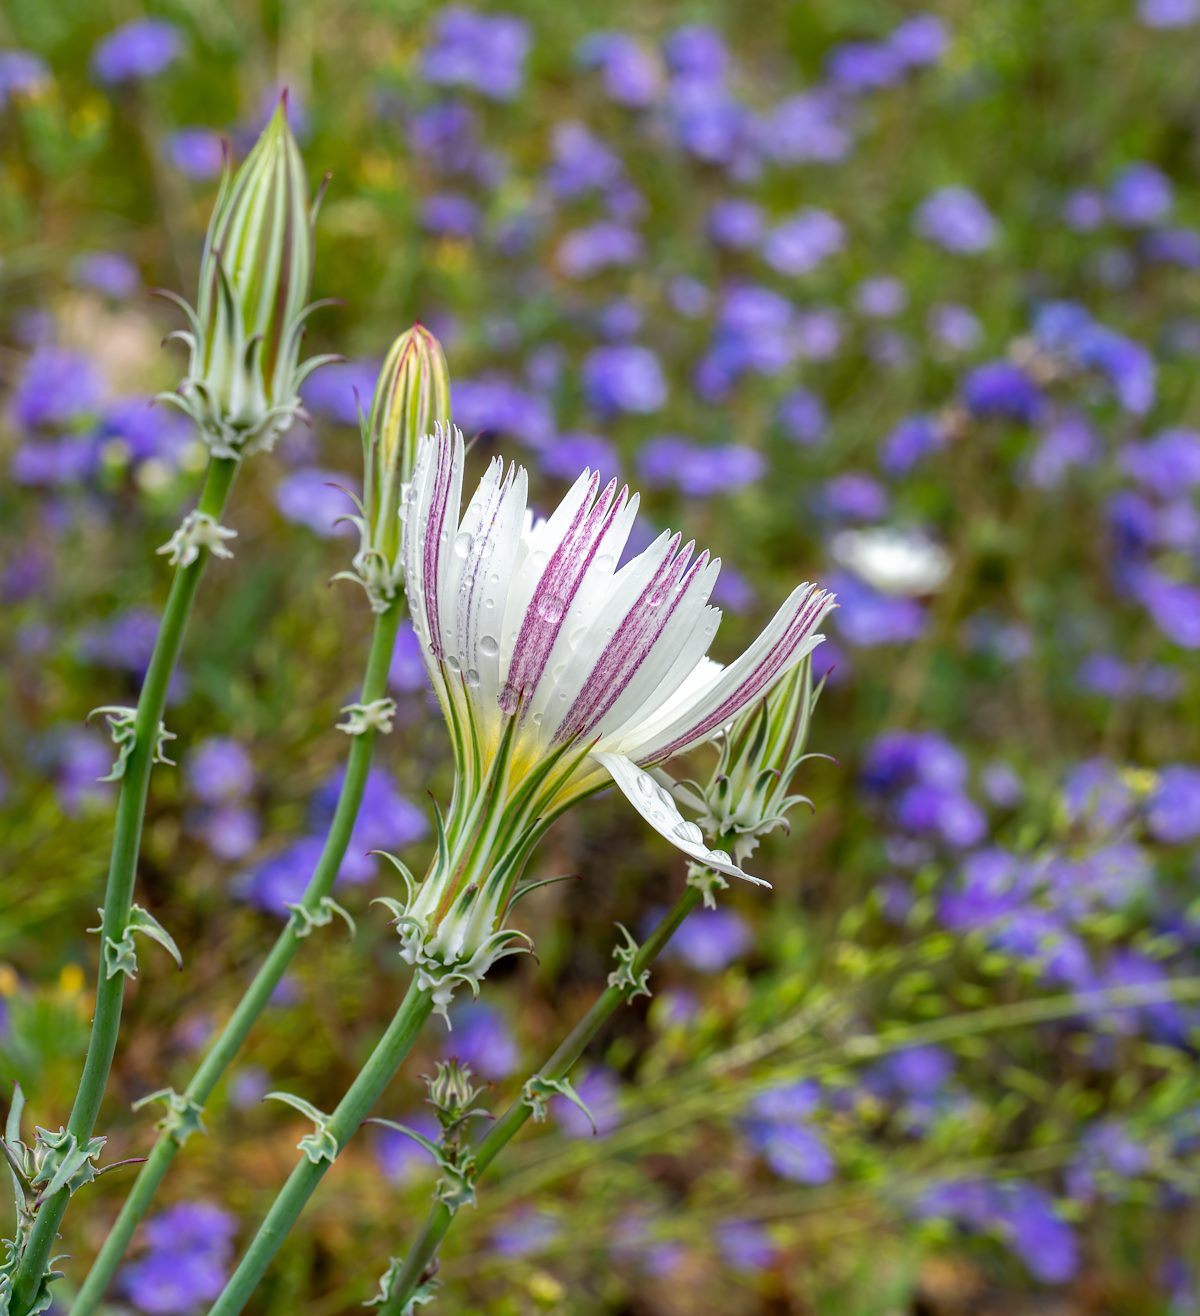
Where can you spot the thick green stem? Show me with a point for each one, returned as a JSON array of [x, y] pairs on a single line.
[[560, 1064], [234, 1034], [353, 1108], [118, 893]]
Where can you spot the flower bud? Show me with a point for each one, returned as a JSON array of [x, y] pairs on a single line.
[[747, 796], [412, 397], [244, 375]]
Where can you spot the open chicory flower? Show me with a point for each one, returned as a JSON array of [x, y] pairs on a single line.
[[557, 672], [244, 376]]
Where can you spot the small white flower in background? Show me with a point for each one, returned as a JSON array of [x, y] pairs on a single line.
[[892, 560], [558, 672], [244, 375]]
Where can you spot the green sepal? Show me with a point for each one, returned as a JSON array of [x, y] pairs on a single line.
[[183, 1117], [320, 1145], [425, 1292], [303, 919], [538, 1090]]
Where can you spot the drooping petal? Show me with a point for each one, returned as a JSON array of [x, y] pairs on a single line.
[[659, 809], [789, 635]]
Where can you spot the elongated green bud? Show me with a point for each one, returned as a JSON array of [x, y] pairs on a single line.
[[242, 387], [748, 794], [412, 398]]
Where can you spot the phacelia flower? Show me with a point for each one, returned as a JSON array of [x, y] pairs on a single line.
[[411, 397], [244, 335], [558, 672]]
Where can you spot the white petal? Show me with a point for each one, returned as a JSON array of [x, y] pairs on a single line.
[[659, 809]]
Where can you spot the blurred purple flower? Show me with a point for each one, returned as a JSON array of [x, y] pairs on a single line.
[[218, 769], [803, 242], [797, 1153], [230, 832], [1084, 210], [340, 390], [124, 642], [804, 128], [450, 214], [1039, 1235], [481, 1038], [54, 462], [1173, 605], [1173, 813], [710, 940], [56, 387], [866, 618], [280, 880], [956, 219], [386, 821], [173, 1283], [315, 498], [485, 52], [139, 49], [802, 416], [1167, 463], [581, 162], [1140, 195], [401, 1158], [947, 812], [853, 496], [20, 73], [198, 153], [584, 252], [632, 76], [1069, 441], [1169, 13], [108, 272], [406, 674], [150, 429], [919, 41], [881, 296], [733, 591], [696, 52], [624, 377], [745, 1245], [570, 453], [600, 1091], [955, 327], [492, 404], [191, 1227], [736, 222], [82, 757], [912, 440], [863, 66], [525, 1232], [1003, 391], [1095, 793]]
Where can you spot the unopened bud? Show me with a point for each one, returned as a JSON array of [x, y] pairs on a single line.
[[412, 397], [242, 388]]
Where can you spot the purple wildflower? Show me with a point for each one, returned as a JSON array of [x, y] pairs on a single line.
[[624, 377], [140, 49], [957, 220], [485, 52], [803, 242], [315, 498]]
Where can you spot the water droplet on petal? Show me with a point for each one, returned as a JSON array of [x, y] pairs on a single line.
[[462, 544], [488, 646], [508, 698], [550, 607], [688, 831], [471, 676], [452, 662]]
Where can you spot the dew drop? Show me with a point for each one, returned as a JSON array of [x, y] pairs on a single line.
[[452, 663], [471, 676], [688, 831], [648, 787], [488, 646], [550, 607], [462, 544], [508, 698]]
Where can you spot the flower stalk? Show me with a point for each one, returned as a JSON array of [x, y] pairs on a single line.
[[184, 1109], [415, 1270], [336, 1131], [138, 759]]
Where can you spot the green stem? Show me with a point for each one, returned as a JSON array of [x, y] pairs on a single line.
[[226, 1047], [353, 1108], [122, 870], [560, 1064]]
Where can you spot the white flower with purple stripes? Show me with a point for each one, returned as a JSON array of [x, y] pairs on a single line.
[[558, 671]]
